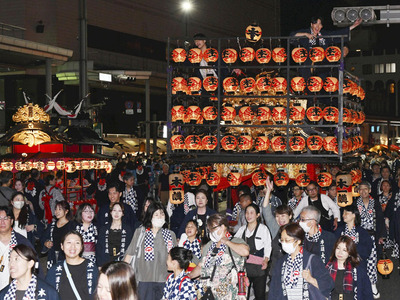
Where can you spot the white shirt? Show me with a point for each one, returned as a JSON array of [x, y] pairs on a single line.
[[21, 231], [5, 275], [262, 238], [327, 203]]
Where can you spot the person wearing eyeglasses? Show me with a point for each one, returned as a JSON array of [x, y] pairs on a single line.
[[330, 213], [318, 241], [298, 274], [84, 218], [298, 195]]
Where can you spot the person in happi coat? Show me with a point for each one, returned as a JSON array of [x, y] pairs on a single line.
[[84, 225]]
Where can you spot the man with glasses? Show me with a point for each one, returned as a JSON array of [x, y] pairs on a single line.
[[298, 195], [317, 240], [330, 213]]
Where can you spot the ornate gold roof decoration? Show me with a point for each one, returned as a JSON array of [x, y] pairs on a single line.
[[31, 137], [31, 113]]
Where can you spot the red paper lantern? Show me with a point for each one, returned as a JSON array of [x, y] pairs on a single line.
[[213, 179], [245, 142], [278, 144], [348, 86], [281, 178], [297, 143], [331, 84], [362, 117], [230, 84], [51, 165], [297, 113], [317, 54], [302, 179], [330, 144], [229, 55], [60, 165], [210, 55], [279, 84], [210, 113], [234, 178], [279, 114], [179, 84], [324, 179], [263, 84], [194, 84], [298, 84], [193, 142], [314, 84], [259, 178], [263, 114], [209, 142], [247, 54], [178, 55], [346, 115], [299, 55], [331, 114], [279, 55], [195, 55], [333, 53], [228, 114], [229, 143], [203, 172], [356, 176], [177, 113], [194, 179], [262, 143], [246, 114], [210, 83], [193, 113], [314, 143], [353, 116], [263, 55], [314, 113], [247, 85]]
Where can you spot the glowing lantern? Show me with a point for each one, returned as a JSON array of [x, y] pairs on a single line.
[[314, 84], [194, 179], [246, 114], [279, 55], [333, 53], [279, 114], [213, 179], [40, 166], [229, 143], [346, 116], [361, 117], [193, 142], [35, 165], [178, 55], [263, 55], [278, 144], [259, 178], [185, 174], [195, 55], [230, 84], [297, 113], [297, 143], [179, 85], [28, 165], [245, 143], [263, 84], [314, 113], [177, 113], [210, 55], [19, 166], [51, 165], [247, 54], [177, 142], [194, 84], [176, 193], [85, 165], [229, 56], [348, 86], [324, 179], [262, 144], [331, 114], [228, 114], [356, 176], [353, 116], [109, 167], [92, 164], [70, 167], [299, 55], [210, 83], [317, 54], [247, 85], [279, 84], [314, 143], [209, 113], [209, 142], [330, 144], [331, 84], [344, 190], [281, 178], [193, 113], [234, 178], [253, 33], [298, 84], [302, 179], [263, 114], [385, 267]]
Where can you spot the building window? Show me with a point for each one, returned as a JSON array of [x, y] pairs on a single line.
[[367, 69], [379, 68], [391, 68]]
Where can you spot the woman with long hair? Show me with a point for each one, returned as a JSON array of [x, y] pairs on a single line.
[[84, 218], [74, 277], [350, 277], [25, 283], [116, 282], [55, 232], [149, 250]]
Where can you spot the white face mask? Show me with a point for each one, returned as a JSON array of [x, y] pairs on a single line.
[[158, 223], [289, 248], [215, 237], [305, 227], [18, 204]]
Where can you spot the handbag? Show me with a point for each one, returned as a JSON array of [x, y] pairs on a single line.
[[208, 294], [313, 291]]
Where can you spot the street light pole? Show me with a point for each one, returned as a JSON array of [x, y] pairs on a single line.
[[186, 7]]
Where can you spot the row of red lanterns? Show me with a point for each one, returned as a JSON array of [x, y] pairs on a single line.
[[69, 166], [262, 144], [262, 55]]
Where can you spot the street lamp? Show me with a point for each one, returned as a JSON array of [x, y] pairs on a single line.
[[186, 7]]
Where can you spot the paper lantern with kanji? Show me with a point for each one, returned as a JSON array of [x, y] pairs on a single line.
[[314, 84], [279, 84], [70, 167], [314, 143], [253, 33], [259, 178], [194, 84], [51, 165], [263, 114], [210, 55], [60, 165], [279, 114], [331, 84], [179, 84], [247, 85], [19, 166], [193, 142], [195, 55], [281, 178], [385, 267], [297, 113], [40, 166], [177, 113], [263, 55], [213, 178], [330, 144], [246, 114], [344, 190], [333, 53], [229, 55], [356, 176], [262, 143], [279, 55], [234, 178], [176, 192], [314, 113], [299, 55], [209, 142], [297, 143], [245, 142], [346, 115], [302, 179], [247, 54], [317, 54], [331, 114], [92, 164], [229, 143], [354, 116], [85, 165], [179, 55], [194, 179], [210, 113], [298, 84], [263, 84], [210, 83], [177, 142], [361, 116], [324, 179], [230, 84], [278, 144], [193, 113], [348, 86], [109, 167], [228, 114]]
